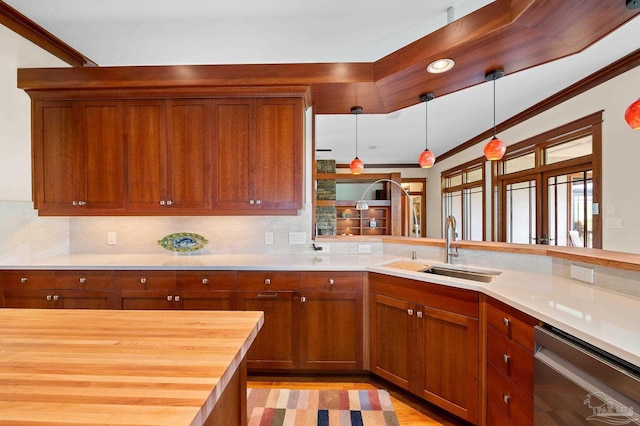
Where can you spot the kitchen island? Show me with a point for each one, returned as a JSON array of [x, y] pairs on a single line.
[[124, 367]]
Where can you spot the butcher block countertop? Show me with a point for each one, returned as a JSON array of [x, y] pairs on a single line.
[[93, 367]]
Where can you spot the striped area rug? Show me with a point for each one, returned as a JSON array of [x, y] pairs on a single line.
[[287, 407]]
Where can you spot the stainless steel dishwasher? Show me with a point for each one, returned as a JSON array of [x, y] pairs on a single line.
[[578, 384]]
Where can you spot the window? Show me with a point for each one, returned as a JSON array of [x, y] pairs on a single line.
[[549, 187], [463, 197]]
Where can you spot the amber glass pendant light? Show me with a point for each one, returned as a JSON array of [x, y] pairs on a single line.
[[495, 148], [356, 165], [427, 158], [632, 115]]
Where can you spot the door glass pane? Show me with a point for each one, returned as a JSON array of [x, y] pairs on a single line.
[[453, 206], [568, 150], [570, 216], [521, 212], [473, 223]]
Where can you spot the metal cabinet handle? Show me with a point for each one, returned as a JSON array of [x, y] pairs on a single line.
[[24, 280], [267, 295], [74, 203], [506, 321], [205, 281], [506, 358], [162, 202], [143, 280], [176, 298], [331, 281], [49, 297], [410, 311], [82, 280], [419, 314], [506, 398], [251, 202], [169, 298], [82, 203], [303, 299], [169, 202], [267, 281], [258, 201]]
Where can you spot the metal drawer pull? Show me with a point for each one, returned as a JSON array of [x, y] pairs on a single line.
[[83, 280], [506, 358], [169, 298], [49, 297], [506, 398], [331, 281], [23, 280], [410, 311], [303, 299], [176, 298], [267, 281], [258, 201], [162, 202], [205, 281], [267, 296], [419, 314], [143, 280], [506, 321], [169, 202]]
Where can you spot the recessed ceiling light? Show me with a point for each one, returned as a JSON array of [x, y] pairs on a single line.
[[440, 65]]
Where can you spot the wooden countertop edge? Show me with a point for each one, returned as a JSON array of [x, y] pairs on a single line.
[[607, 258]]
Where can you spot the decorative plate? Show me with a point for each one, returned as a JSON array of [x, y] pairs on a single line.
[[183, 242]]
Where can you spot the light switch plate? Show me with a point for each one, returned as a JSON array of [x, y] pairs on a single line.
[[297, 238], [268, 238], [111, 238]]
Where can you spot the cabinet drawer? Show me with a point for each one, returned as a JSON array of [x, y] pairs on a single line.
[[331, 281], [85, 280], [512, 323], [206, 280], [511, 359], [28, 279], [145, 280], [505, 399], [268, 281]]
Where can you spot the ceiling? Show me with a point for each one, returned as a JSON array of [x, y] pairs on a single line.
[[379, 32]]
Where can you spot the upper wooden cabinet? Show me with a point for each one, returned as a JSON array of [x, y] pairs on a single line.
[[78, 155], [259, 153], [169, 153], [168, 156]]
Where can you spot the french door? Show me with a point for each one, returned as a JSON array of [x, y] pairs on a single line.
[[553, 207]]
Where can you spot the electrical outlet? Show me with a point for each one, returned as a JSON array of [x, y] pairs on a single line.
[[297, 238], [582, 273], [111, 238], [268, 238], [364, 248]]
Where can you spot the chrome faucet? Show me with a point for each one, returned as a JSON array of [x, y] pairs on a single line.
[[450, 231]]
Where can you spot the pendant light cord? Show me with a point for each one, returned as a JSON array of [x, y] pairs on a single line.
[[426, 125], [494, 108], [356, 113]]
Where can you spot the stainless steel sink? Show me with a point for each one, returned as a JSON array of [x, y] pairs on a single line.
[[480, 276]]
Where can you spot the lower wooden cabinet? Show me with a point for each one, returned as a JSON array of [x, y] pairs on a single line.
[[510, 364], [318, 327], [425, 339], [48, 289]]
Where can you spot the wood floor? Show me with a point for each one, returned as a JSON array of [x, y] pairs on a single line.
[[410, 411]]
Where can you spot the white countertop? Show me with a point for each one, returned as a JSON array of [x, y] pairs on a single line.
[[608, 320]]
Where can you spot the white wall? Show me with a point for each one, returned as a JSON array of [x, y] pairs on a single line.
[[620, 153], [15, 113]]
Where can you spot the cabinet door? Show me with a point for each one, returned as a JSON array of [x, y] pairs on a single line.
[[235, 156], [331, 331], [279, 162], [189, 154], [86, 299], [448, 366], [276, 346], [393, 340], [57, 156], [102, 129], [147, 154], [52, 298], [31, 299]]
